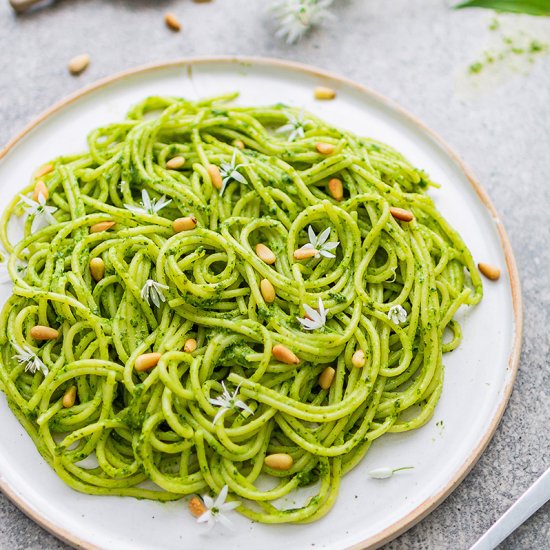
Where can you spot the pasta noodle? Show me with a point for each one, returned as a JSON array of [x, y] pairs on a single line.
[[320, 352]]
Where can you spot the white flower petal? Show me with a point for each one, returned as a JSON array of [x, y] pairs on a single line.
[[205, 517], [221, 497], [219, 415], [312, 237], [228, 506], [312, 313], [330, 246], [326, 254], [323, 236], [226, 522]]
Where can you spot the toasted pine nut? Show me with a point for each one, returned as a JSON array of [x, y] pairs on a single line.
[[40, 189], [401, 214], [40, 332], [190, 345], [46, 169], [325, 148], [97, 269], [265, 254], [147, 361], [101, 226], [305, 253], [172, 22], [79, 63], [215, 176], [175, 163], [239, 143], [283, 354], [70, 397], [358, 359], [492, 272], [322, 92], [197, 507], [267, 290], [279, 461], [184, 224], [336, 189], [326, 378]]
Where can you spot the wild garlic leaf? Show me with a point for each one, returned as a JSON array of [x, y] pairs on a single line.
[[529, 7]]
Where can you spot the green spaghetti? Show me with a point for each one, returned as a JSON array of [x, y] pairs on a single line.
[[215, 294]]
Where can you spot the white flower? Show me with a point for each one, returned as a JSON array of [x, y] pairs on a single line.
[[319, 243], [30, 359], [228, 402], [216, 509], [230, 171], [315, 318], [383, 473], [39, 209], [296, 17], [296, 126], [149, 206], [152, 292], [397, 314]]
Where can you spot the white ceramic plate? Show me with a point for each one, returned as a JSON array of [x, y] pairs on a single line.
[[478, 376]]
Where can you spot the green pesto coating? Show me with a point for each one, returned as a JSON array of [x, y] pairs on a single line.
[[158, 425]]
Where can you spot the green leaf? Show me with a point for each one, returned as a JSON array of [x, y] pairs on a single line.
[[530, 7]]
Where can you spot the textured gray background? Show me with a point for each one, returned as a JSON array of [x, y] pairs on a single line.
[[411, 51]]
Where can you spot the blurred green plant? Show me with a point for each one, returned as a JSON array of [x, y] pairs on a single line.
[[529, 7]]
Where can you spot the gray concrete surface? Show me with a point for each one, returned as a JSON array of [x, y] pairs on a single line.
[[411, 51]]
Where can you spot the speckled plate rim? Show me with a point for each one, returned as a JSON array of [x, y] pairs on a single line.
[[431, 503]]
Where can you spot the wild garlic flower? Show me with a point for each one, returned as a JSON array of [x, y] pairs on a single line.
[[315, 318], [230, 171], [217, 508], [31, 361], [153, 292], [148, 205], [383, 473], [397, 314], [320, 244], [295, 127], [228, 402], [296, 17], [39, 209]]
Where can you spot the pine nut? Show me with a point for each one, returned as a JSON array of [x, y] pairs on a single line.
[[325, 148], [305, 253], [492, 272], [79, 64], [265, 254], [147, 361], [336, 189], [40, 189], [215, 176], [70, 397], [279, 461], [46, 169], [358, 359], [101, 226], [322, 92], [326, 378], [190, 345], [40, 332], [401, 214], [267, 290], [175, 163], [197, 507], [284, 355], [172, 22], [184, 224], [97, 269], [239, 143]]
